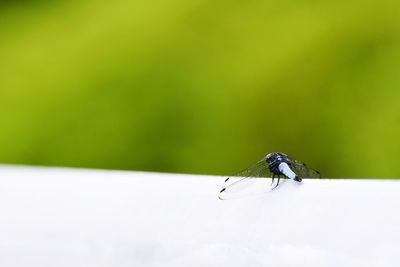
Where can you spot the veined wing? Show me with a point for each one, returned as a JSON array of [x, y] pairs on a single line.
[[244, 182], [303, 171]]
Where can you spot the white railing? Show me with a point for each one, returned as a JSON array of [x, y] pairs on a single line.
[[73, 217]]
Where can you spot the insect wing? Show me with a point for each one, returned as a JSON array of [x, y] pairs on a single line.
[[245, 182], [303, 171]]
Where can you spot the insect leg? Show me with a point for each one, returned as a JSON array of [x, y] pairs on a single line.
[[279, 178], [273, 177]]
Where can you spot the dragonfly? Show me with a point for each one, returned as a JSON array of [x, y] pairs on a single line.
[[275, 165]]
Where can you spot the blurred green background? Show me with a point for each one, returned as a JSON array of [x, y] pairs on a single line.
[[204, 87]]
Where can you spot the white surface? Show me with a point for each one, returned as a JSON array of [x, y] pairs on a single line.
[[61, 217]]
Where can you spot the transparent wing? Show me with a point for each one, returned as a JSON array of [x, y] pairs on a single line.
[[245, 182], [303, 171]]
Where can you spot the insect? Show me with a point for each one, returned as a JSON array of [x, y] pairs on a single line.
[[275, 165]]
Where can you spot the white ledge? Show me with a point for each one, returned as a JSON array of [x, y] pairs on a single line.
[[71, 217]]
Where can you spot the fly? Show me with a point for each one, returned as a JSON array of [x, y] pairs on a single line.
[[275, 165]]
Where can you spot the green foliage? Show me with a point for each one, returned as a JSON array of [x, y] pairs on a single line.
[[201, 86]]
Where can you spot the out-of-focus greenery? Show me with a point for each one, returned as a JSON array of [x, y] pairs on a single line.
[[201, 86]]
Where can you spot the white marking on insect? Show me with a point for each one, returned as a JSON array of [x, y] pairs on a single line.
[[285, 169]]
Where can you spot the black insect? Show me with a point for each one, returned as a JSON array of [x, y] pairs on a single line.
[[274, 165]]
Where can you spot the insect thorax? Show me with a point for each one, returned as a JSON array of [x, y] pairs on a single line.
[[274, 159]]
